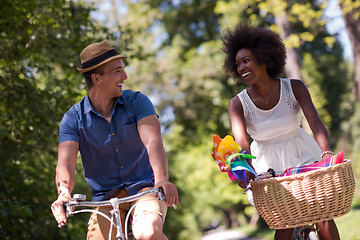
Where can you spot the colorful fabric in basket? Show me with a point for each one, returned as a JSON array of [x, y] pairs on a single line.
[[331, 161]]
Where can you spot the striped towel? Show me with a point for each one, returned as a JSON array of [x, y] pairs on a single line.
[[331, 161]]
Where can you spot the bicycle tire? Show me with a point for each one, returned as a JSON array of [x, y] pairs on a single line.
[[313, 236], [130, 235]]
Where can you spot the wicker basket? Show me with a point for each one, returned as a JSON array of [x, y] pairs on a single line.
[[310, 197]]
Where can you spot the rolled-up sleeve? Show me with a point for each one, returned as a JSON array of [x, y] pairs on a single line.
[[142, 106], [69, 130]]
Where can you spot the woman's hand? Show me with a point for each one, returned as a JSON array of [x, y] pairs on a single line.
[[327, 154], [249, 176]]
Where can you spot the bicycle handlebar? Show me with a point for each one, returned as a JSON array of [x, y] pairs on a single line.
[[78, 200], [271, 173]]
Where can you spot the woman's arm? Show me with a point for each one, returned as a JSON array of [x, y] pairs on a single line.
[[237, 120], [318, 129]]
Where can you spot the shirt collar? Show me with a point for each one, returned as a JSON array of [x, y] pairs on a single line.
[[88, 108]]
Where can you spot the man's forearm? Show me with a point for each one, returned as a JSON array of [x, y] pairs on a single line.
[[65, 169], [65, 180]]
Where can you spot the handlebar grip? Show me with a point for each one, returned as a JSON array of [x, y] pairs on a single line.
[[162, 196], [65, 210]]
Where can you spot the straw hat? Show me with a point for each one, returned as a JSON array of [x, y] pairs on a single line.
[[97, 54]]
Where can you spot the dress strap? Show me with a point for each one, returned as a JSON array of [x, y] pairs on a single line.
[[289, 94], [248, 113]]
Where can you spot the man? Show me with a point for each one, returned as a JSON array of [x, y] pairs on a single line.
[[118, 135]]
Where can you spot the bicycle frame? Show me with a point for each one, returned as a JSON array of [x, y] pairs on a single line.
[[78, 200]]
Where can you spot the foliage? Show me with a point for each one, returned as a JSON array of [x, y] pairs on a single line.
[[350, 11], [196, 74], [184, 75], [195, 21], [205, 192], [174, 56], [39, 45]]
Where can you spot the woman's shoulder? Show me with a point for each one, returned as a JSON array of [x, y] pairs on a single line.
[[299, 88], [235, 102], [295, 84], [293, 81], [235, 99]]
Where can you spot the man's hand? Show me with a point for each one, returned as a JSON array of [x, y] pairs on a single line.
[[170, 192], [58, 210]]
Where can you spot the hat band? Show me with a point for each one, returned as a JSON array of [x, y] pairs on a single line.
[[96, 60]]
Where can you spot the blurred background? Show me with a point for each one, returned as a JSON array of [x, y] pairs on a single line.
[[174, 56]]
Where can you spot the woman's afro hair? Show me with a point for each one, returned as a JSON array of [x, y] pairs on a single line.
[[264, 44]]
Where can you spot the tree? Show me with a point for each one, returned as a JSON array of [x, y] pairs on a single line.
[[195, 77], [351, 12], [40, 44], [175, 57], [194, 20]]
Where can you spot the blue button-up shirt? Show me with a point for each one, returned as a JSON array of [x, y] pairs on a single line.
[[113, 154]]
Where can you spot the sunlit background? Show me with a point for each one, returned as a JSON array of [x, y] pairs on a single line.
[[174, 56]]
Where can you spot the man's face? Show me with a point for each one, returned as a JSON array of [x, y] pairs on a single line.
[[113, 77]]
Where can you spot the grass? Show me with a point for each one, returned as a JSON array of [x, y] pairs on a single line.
[[252, 231], [348, 225]]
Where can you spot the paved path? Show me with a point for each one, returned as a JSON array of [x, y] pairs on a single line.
[[221, 234]]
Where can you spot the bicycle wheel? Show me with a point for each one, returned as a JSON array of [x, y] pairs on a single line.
[[313, 236], [130, 235]]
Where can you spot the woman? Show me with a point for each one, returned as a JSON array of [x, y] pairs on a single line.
[[269, 110]]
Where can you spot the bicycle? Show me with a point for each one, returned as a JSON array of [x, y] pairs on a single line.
[[79, 200], [306, 232]]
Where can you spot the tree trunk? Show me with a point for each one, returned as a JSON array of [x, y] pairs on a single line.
[[234, 220], [226, 218], [292, 67], [230, 218], [353, 29]]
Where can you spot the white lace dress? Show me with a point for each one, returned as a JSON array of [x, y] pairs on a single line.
[[279, 141]]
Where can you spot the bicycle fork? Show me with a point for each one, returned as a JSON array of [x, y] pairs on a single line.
[[116, 212]]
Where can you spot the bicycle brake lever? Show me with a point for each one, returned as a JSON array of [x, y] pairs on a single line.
[[161, 196], [247, 189], [66, 213]]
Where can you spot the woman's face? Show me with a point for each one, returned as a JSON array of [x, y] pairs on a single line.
[[248, 67]]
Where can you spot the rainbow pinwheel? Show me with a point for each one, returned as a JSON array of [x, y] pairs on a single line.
[[227, 154]]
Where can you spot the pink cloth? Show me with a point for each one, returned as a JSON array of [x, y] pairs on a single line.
[[331, 161]]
